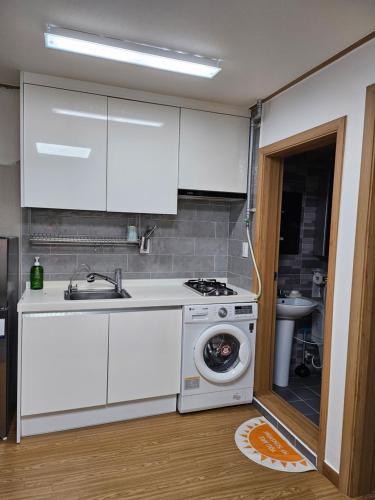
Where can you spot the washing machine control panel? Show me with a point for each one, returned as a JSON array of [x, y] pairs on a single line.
[[222, 312], [214, 313]]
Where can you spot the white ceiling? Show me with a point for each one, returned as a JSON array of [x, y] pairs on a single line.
[[264, 44]]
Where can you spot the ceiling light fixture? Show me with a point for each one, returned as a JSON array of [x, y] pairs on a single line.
[[130, 52]]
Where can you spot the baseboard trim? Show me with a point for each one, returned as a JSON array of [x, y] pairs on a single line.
[[55, 422], [330, 474]]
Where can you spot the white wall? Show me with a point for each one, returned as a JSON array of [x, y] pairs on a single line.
[[9, 163], [335, 91]]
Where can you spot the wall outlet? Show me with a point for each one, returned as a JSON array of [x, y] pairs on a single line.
[[245, 249]]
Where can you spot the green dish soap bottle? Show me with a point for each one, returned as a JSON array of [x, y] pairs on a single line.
[[36, 275]]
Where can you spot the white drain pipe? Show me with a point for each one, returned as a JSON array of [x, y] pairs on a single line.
[[254, 123]]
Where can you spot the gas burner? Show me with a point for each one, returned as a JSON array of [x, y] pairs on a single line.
[[209, 287]]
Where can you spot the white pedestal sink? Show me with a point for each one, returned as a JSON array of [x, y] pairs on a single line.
[[287, 311]]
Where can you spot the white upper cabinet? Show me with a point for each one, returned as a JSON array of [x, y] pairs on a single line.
[[213, 152], [142, 157], [64, 149]]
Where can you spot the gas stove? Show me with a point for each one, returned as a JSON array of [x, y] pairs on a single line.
[[209, 287]]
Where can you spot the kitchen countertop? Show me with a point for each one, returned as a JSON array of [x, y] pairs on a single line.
[[144, 293]]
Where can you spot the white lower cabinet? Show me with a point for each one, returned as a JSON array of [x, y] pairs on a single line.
[[144, 354], [64, 361]]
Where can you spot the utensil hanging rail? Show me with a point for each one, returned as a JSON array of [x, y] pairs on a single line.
[[57, 239]]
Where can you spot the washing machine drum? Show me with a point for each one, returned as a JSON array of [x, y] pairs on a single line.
[[222, 353]]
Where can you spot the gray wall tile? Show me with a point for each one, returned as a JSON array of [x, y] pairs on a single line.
[[150, 263], [192, 243], [211, 246], [172, 246], [193, 263], [102, 264]]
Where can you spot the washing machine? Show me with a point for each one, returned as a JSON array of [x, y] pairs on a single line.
[[218, 351]]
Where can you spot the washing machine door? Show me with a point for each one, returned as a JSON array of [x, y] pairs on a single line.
[[222, 353]]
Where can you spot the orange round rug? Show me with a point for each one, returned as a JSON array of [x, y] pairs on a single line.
[[262, 443]]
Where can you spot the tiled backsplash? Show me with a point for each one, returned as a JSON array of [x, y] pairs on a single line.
[[239, 268], [191, 244]]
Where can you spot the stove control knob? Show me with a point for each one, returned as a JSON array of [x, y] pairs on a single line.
[[222, 312]]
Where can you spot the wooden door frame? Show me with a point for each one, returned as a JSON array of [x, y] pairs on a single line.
[[357, 467], [267, 232]]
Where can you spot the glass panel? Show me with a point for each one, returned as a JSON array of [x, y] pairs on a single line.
[[221, 352]]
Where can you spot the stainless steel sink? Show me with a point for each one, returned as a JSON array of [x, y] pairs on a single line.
[[95, 294]]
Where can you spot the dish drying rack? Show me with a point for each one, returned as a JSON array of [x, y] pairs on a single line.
[[59, 239]]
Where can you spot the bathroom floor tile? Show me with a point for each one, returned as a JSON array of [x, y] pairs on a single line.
[[304, 393], [313, 403], [286, 393], [314, 417], [302, 407], [316, 389]]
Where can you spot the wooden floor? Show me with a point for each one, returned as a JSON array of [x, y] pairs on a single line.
[[165, 457]]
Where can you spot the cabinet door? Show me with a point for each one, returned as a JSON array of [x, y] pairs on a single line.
[[213, 151], [64, 361], [64, 149], [142, 157], [144, 354]]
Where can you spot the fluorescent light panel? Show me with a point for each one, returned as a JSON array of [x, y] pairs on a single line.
[[130, 52], [45, 148]]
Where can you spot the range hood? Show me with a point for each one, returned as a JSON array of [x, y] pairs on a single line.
[[210, 195]]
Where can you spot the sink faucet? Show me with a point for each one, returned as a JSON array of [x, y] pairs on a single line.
[[82, 268], [117, 282]]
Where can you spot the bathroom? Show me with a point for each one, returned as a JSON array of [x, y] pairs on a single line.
[[302, 278]]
